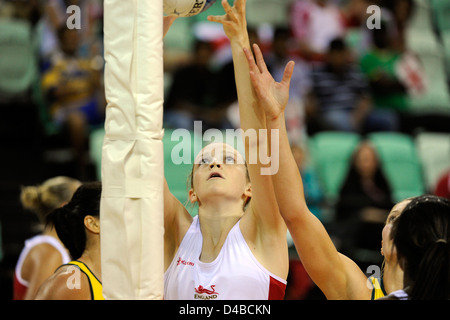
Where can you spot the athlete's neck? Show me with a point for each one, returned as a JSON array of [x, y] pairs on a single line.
[[392, 277], [215, 226], [91, 257], [50, 231], [220, 210]]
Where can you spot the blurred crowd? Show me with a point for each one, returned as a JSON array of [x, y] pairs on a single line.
[[56, 69], [350, 75], [358, 70]]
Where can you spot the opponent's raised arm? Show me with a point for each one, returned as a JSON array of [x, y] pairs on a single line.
[[272, 96], [336, 275]]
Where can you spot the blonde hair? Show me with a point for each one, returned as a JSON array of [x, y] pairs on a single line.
[[51, 194]]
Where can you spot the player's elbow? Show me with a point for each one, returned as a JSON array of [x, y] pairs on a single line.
[[295, 215]]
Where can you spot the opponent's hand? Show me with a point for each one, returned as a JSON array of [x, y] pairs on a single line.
[[233, 21], [167, 23], [272, 96]]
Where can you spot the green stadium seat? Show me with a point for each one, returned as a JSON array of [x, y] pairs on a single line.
[[267, 12], [441, 13], [434, 152], [333, 145], [330, 154], [405, 179], [18, 61], [400, 162], [179, 37], [333, 175], [392, 146], [177, 163], [95, 149]]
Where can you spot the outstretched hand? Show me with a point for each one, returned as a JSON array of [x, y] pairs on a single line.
[[271, 95], [233, 21]]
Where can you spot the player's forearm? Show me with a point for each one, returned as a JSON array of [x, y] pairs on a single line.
[[250, 115], [287, 181]]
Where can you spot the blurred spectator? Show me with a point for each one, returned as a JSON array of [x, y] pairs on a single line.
[[339, 96], [56, 15], [354, 12], [192, 93], [276, 59], [364, 201], [280, 54], [44, 252], [313, 192], [72, 86], [401, 11], [358, 15], [443, 186], [389, 92], [314, 24]]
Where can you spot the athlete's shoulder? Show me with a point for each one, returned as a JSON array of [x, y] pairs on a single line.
[[67, 283], [45, 252]]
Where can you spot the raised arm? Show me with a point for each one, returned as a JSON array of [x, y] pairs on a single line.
[[176, 218], [263, 223], [252, 119], [337, 276], [235, 27]]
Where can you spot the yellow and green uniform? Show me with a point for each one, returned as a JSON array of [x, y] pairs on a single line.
[[378, 288], [94, 283]]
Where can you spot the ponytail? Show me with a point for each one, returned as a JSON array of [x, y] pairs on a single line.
[[421, 236], [29, 197], [51, 194], [432, 280], [69, 226]]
